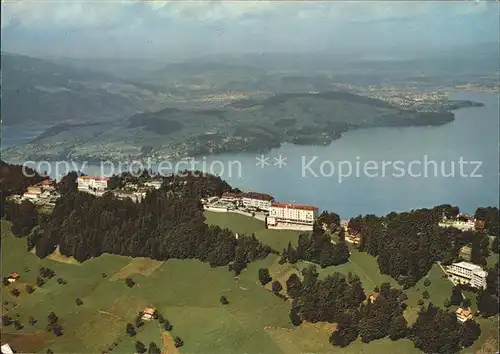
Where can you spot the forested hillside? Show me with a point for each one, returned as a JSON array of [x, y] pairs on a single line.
[[36, 90]]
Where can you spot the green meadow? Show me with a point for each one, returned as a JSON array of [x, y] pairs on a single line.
[[187, 293]]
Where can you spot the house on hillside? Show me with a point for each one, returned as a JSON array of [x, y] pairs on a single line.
[[464, 314], [13, 277], [148, 313], [373, 296], [6, 349]]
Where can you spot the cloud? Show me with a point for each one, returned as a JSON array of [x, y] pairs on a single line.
[[169, 26]]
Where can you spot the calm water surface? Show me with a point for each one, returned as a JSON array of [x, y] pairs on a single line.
[[472, 137]]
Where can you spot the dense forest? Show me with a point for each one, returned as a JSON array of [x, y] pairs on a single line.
[[342, 300], [488, 302], [408, 244], [14, 179], [318, 248], [169, 223]]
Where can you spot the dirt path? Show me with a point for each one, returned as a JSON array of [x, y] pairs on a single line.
[[168, 344], [111, 314]]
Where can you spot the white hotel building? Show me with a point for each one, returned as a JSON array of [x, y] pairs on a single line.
[[88, 183], [468, 273], [260, 201], [291, 216]]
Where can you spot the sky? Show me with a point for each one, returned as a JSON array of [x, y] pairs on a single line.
[[114, 28]]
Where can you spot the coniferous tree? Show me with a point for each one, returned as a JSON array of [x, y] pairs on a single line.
[[293, 285], [466, 303], [167, 326], [398, 327], [276, 286], [487, 303], [153, 349], [436, 331], [456, 296], [6, 320], [264, 276], [130, 330], [470, 332], [295, 318], [178, 342], [140, 347], [223, 300]]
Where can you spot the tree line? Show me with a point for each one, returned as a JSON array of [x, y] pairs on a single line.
[[342, 300], [15, 180], [488, 303], [317, 247], [164, 225], [407, 244]]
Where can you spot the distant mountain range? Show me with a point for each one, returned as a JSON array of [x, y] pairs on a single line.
[[36, 90]]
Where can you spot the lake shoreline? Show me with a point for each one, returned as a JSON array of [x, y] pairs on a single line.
[[472, 136]]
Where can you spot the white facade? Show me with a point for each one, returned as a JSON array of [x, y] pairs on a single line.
[[461, 225], [256, 203], [87, 183], [478, 279], [156, 184], [6, 349], [472, 273], [230, 198], [290, 216]]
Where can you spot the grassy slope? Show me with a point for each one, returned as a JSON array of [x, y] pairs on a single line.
[[366, 267], [277, 239], [187, 293]]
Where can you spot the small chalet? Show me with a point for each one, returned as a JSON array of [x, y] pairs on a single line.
[[13, 277], [464, 314], [148, 313], [373, 296]]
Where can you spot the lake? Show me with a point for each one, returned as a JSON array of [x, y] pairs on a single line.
[[20, 134], [392, 169]]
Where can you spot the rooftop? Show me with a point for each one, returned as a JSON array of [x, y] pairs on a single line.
[[45, 182], [231, 195], [467, 265], [464, 312], [97, 178], [260, 196], [294, 206], [480, 273]]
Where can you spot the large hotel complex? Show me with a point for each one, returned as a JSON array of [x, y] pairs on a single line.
[[291, 216], [89, 183], [468, 273], [279, 215]]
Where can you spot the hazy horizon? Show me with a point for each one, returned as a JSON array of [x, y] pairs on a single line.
[[180, 29]]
